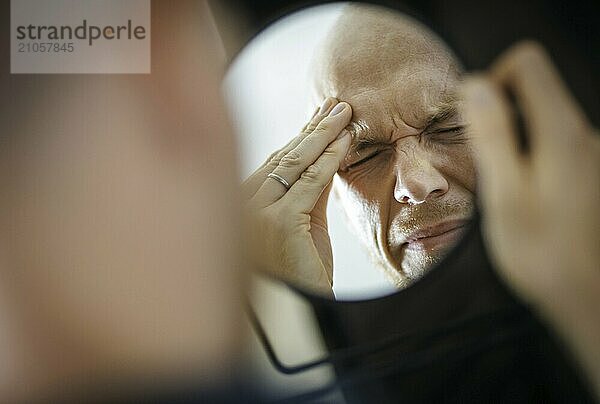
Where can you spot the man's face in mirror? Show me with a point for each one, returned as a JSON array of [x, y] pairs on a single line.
[[408, 182]]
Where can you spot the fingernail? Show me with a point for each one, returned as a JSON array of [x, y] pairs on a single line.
[[325, 106], [338, 108]]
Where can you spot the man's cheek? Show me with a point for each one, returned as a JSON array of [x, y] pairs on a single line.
[[459, 166], [362, 213]]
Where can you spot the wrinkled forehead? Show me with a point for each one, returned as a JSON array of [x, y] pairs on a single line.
[[412, 95], [404, 100], [381, 63]]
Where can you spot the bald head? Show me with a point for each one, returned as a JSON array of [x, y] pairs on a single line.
[[370, 45], [409, 169], [395, 72]]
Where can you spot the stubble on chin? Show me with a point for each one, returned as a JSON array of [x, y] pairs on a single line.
[[415, 264], [411, 265], [405, 271]]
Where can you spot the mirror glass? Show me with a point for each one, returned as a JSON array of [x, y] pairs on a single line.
[[404, 193]]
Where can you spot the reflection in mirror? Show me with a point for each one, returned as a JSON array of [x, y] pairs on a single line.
[[404, 188]]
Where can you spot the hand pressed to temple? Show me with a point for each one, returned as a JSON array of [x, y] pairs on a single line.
[[287, 210]]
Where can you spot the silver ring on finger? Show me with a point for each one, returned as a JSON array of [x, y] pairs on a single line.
[[279, 179]]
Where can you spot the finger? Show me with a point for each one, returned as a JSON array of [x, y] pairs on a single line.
[[319, 230], [253, 183], [257, 178], [293, 164], [323, 111], [552, 116], [493, 137], [305, 192]]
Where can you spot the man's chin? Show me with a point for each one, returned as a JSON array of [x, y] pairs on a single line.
[[414, 264], [414, 260]]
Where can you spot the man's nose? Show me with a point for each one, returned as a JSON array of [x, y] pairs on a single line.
[[417, 179]]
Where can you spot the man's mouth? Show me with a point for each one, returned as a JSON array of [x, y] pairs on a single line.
[[436, 237]]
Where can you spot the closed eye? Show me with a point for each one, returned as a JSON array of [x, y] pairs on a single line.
[[451, 135], [363, 160], [452, 130]]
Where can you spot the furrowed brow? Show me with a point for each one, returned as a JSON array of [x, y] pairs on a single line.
[[443, 113], [362, 136]]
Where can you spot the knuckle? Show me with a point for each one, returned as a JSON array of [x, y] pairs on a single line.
[[323, 127], [275, 159], [310, 128], [291, 159], [312, 125], [312, 174], [272, 156]]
